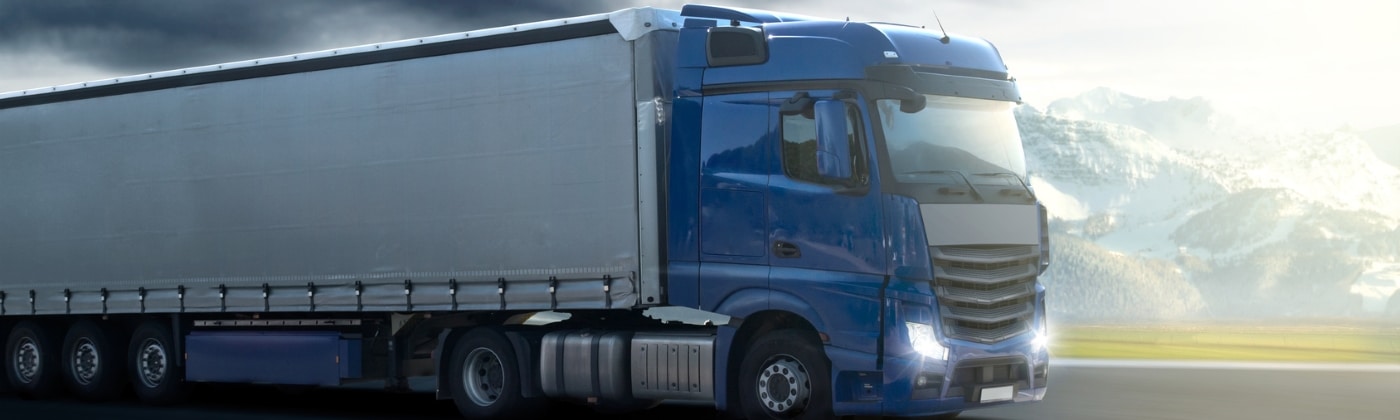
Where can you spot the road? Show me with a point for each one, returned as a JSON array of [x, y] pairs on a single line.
[[1077, 392]]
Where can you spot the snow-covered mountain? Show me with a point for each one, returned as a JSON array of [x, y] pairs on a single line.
[[1385, 141], [1168, 204]]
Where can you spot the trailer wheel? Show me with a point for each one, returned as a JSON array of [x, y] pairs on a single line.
[[91, 364], [785, 375], [155, 375], [30, 361], [485, 378]]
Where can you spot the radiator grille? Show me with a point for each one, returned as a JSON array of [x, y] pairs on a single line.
[[986, 294]]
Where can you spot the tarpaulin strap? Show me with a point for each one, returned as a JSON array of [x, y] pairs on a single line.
[[67, 301], [452, 291], [104, 300], [359, 298], [501, 291], [179, 293], [408, 293], [267, 292], [553, 285], [607, 290], [223, 292], [311, 295]]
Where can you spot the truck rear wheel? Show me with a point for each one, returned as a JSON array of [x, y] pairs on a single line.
[[91, 364], [30, 362], [485, 377], [784, 375], [155, 375]]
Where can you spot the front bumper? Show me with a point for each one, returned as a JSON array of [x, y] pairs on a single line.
[[952, 385]]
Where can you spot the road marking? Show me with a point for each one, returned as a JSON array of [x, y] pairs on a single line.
[[1222, 364]]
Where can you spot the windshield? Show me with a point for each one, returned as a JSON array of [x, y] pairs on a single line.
[[952, 135]]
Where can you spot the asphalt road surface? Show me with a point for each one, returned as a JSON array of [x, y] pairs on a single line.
[[1076, 392]]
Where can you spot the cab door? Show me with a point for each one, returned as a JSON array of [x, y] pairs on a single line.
[[735, 153], [824, 212]]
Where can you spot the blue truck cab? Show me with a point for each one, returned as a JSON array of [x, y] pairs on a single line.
[[866, 183]]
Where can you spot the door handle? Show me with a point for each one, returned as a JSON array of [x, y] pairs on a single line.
[[786, 250]]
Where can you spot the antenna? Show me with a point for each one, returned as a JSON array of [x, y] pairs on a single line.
[[945, 38]]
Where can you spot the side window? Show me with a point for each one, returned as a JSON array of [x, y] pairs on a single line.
[[800, 148]]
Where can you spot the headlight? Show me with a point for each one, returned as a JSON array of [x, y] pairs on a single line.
[[1040, 341], [924, 341]]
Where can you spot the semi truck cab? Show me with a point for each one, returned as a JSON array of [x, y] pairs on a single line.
[[866, 184]]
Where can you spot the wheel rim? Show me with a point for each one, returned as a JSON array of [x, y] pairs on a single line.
[[151, 363], [483, 376], [27, 360], [783, 385], [85, 362]]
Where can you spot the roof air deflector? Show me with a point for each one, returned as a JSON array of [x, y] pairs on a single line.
[[739, 14]]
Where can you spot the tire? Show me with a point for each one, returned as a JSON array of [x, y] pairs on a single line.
[[92, 365], [156, 377], [4, 380], [787, 363], [31, 361], [485, 380]]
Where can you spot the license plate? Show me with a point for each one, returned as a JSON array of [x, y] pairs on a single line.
[[1000, 393]]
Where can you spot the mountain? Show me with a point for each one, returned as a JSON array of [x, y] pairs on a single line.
[[1181, 123], [1385, 141], [1151, 221]]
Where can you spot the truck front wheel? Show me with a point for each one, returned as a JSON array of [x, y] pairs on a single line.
[[485, 377], [784, 375], [91, 364], [30, 362], [155, 375]]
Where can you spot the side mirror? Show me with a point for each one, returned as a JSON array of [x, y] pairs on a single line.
[[833, 145], [913, 104]]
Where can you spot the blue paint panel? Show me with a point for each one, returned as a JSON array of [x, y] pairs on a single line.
[[351, 352], [723, 286], [827, 50], [690, 53], [732, 223], [683, 181], [921, 46], [293, 358], [796, 58], [908, 242], [733, 158], [683, 284], [845, 306]]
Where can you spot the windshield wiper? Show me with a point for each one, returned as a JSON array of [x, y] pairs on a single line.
[[952, 191], [1026, 188]]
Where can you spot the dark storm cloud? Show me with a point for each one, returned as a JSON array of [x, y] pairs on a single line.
[[135, 36]]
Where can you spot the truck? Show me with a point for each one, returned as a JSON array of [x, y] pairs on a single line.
[[777, 215]]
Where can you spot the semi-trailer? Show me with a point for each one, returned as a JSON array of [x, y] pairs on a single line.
[[779, 215]]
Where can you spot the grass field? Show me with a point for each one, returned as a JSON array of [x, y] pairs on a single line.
[[1301, 343]]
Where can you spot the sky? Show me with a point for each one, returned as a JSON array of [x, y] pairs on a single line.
[[1310, 64]]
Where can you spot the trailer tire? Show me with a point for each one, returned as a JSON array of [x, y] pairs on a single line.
[[92, 364], [30, 362], [156, 376], [485, 380], [803, 373]]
